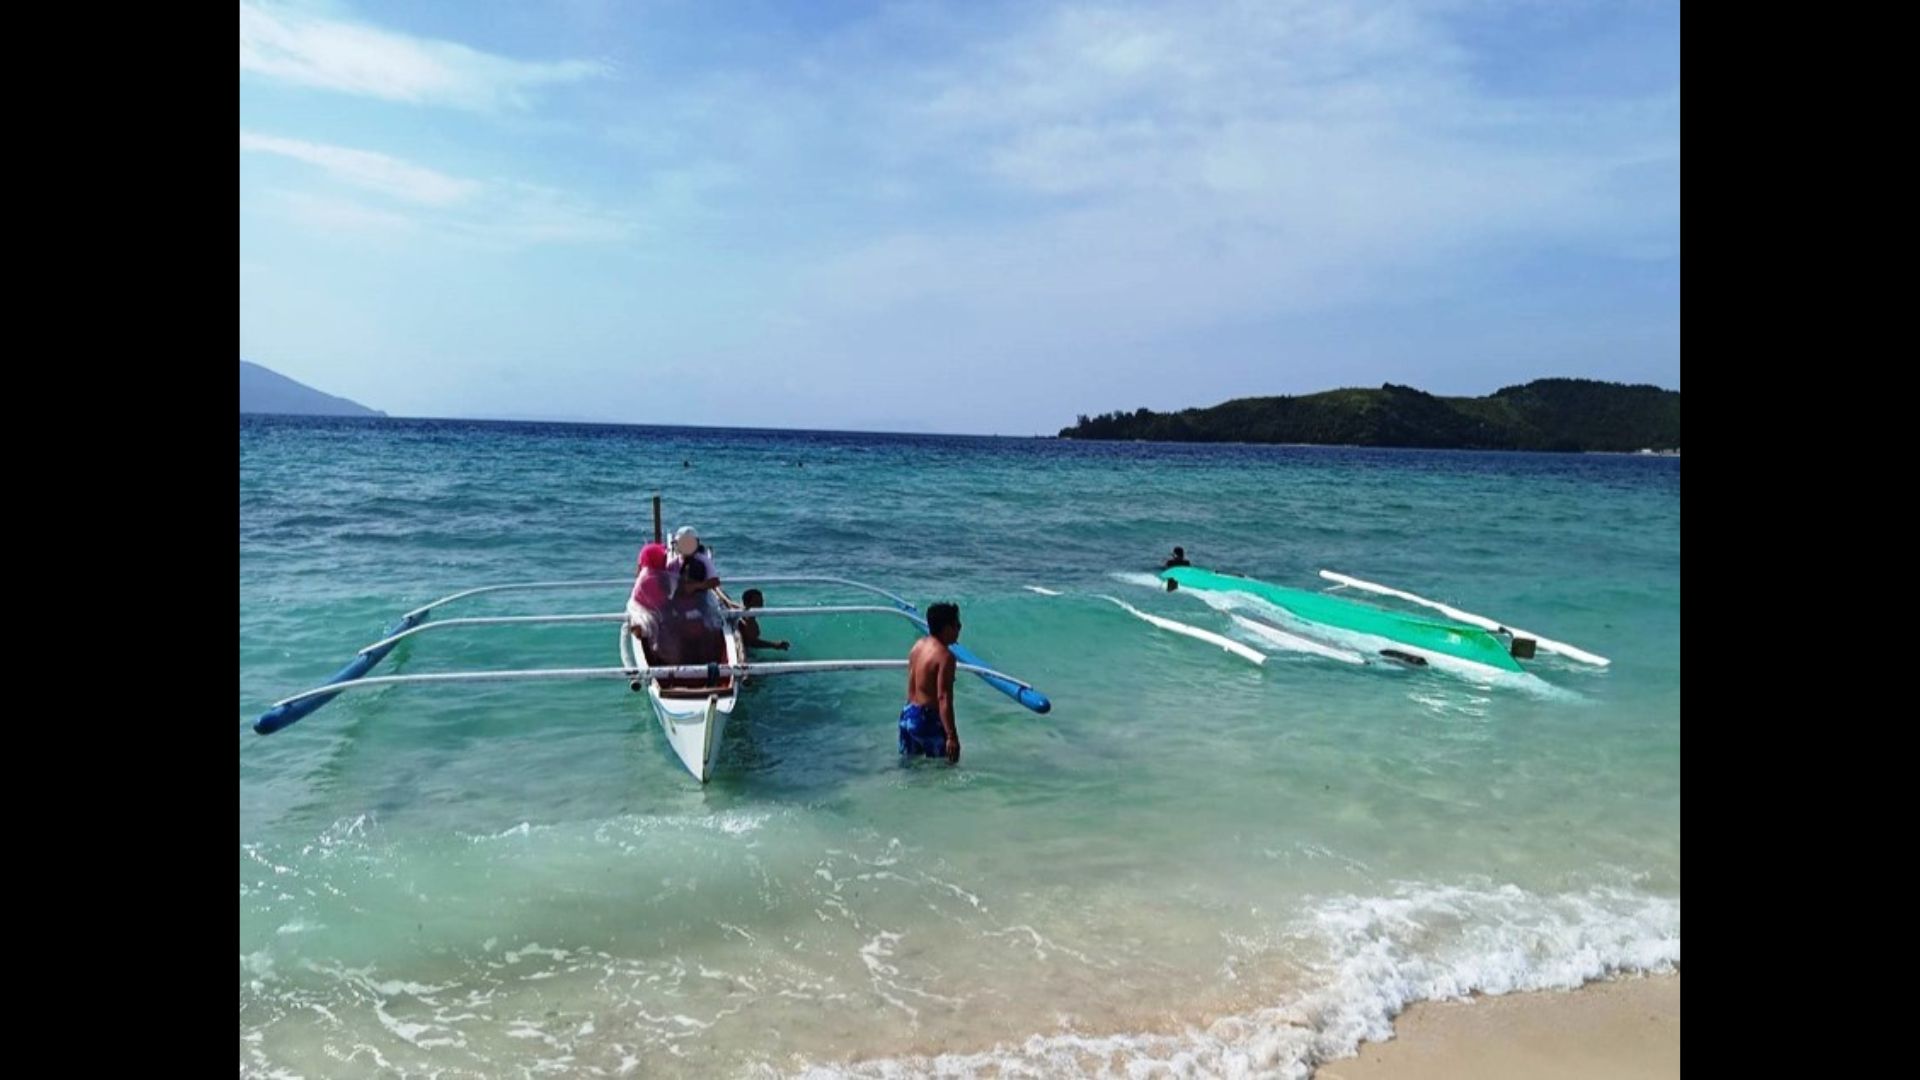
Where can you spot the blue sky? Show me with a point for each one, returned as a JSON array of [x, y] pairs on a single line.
[[962, 217]]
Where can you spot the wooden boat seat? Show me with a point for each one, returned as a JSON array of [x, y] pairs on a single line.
[[690, 688], [694, 688]]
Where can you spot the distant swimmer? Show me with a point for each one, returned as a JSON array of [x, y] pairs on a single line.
[[1179, 559], [926, 723]]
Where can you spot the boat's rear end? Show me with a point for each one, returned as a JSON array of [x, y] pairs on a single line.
[[693, 713]]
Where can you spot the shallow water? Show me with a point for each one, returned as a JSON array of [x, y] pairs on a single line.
[[1193, 861]]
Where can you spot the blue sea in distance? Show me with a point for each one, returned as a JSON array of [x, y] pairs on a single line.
[[1195, 865]]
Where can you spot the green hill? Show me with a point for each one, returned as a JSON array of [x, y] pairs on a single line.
[[1548, 414]]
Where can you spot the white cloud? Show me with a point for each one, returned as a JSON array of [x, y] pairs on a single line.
[[309, 49], [366, 169], [516, 215], [1178, 166], [502, 214], [326, 214]]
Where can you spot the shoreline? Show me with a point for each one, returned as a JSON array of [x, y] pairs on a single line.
[[1622, 1027], [1625, 1025]]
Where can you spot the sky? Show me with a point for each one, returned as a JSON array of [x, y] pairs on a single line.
[[977, 217]]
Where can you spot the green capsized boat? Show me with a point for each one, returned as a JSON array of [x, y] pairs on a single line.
[[1441, 636]]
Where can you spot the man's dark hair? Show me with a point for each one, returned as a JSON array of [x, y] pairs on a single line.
[[1180, 551], [752, 598], [941, 616]]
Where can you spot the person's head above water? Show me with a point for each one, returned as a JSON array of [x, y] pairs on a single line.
[[685, 540], [943, 622], [752, 599], [653, 557], [1179, 552]]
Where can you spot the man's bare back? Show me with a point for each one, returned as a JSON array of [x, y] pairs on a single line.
[[927, 723], [924, 664]]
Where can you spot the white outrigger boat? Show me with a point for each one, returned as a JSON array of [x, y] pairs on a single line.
[[693, 702]]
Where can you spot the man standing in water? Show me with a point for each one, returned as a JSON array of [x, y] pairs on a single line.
[[926, 723]]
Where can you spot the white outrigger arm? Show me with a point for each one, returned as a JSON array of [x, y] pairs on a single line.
[[1558, 648], [805, 579], [620, 616], [354, 675], [709, 672], [1013, 688], [284, 713], [1194, 632]]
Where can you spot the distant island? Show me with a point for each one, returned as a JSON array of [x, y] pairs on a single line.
[[1570, 415], [264, 391]]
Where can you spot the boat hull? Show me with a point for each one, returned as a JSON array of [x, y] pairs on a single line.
[[693, 719], [1433, 639]]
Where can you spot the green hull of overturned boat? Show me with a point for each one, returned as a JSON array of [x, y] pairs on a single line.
[[1442, 636]]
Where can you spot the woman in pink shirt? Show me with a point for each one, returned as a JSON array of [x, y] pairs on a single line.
[[652, 599]]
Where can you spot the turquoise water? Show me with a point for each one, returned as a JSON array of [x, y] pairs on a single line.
[[1194, 865]]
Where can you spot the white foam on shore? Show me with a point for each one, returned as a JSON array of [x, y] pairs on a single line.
[[1380, 954]]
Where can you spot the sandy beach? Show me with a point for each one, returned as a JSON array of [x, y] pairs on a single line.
[[1619, 1029]]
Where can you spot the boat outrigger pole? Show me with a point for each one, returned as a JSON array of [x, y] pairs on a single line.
[[709, 672], [354, 675], [290, 711], [1013, 688]]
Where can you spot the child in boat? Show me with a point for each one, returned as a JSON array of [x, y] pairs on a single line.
[[750, 627]]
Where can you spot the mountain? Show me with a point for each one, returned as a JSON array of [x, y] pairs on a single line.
[[264, 391], [1547, 414]]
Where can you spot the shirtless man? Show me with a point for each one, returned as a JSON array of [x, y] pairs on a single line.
[[926, 724]]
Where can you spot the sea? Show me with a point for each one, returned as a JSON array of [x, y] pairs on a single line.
[[1193, 865]]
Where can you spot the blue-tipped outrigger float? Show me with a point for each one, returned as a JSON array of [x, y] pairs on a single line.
[[692, 701]]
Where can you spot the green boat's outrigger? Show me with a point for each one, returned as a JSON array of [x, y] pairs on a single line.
[[1458, 639]]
